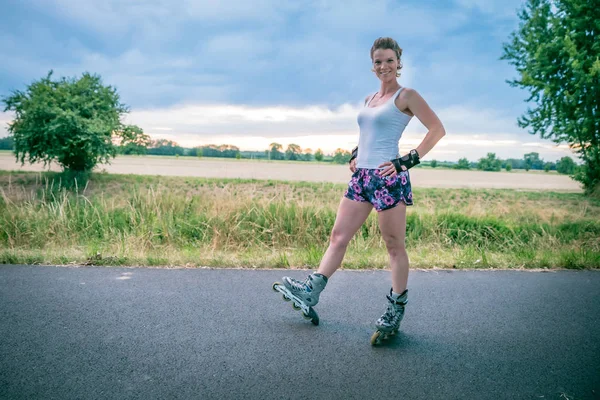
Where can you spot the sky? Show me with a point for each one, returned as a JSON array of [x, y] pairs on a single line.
[[249, 73]]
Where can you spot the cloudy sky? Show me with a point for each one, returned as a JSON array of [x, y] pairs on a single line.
[[249, 73]]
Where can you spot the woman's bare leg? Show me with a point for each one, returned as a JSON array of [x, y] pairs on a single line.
[[350, 217], [392, 224]]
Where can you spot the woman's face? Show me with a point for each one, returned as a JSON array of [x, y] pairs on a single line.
[[385, 64]]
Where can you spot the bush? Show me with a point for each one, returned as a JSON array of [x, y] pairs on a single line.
[[69, 121]]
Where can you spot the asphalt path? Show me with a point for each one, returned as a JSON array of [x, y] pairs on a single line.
[[149, 333]]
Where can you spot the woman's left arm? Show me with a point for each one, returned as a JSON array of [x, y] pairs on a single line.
[[419, 107]]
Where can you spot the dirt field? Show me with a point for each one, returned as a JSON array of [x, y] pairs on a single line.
[[217, 168]]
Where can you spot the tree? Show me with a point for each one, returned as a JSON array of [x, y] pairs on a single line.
[[463, 163], [197, 152], [490, 163], [434, 163], [133, 140], [293, 152], [319, 155], [69, 121], [275, 151], [165, 147], [533, 161], [308, 155], [227, 150], [515, 163], [566, 165], [547, 167], [556, 51], [341, 156], [211, 150], [508, 167]]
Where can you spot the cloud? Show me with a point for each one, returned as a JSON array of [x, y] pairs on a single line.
[[258, 53], [238, 121], [464, 119], [5, 118], [114, 18], [235, 10], [400, 20], [504, 9]]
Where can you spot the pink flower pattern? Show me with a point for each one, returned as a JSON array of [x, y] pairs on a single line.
[[366, 185]]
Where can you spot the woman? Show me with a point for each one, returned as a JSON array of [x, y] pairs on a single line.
[[380, 180]]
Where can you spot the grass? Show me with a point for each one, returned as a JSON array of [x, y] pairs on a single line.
[[179, 221]]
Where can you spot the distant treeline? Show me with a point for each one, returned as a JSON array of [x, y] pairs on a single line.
[[530, 161], [7, 143], [294, 152]]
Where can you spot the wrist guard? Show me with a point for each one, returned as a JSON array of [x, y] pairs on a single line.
[[409, 161], [354, 154]]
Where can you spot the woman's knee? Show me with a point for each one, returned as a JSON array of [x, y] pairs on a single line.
[[339, 238], [395, 244]]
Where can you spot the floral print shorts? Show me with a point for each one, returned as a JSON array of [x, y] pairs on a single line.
[[384, 193]]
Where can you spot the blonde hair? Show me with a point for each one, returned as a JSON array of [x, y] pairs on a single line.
[[388, 43]]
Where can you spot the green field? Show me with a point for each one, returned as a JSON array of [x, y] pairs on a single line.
[[175, 221]]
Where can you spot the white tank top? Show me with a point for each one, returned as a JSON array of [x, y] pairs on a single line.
[[380, 130]]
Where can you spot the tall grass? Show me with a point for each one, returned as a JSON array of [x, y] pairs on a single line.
[[145, 220]]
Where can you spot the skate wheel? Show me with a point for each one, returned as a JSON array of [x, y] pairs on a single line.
[[295, 306], [376, 338], [312, 316], [285, 298], [274, 286]]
